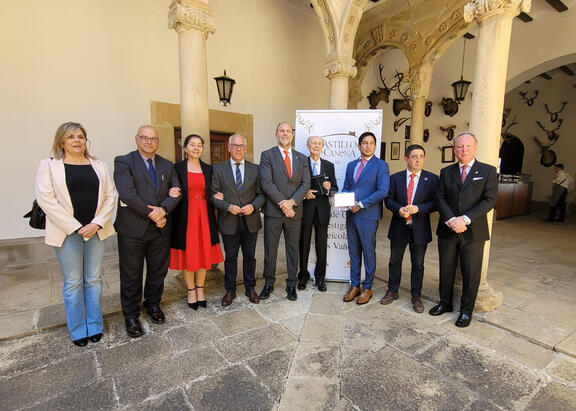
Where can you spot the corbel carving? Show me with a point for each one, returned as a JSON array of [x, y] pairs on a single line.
[[340, 67], [482, 9], [191, 15]]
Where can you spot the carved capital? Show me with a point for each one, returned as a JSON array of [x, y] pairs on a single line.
[[191, 15], [482, 9], [340, 66]]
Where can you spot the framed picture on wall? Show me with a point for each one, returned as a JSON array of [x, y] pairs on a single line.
[[447, 154], [395, 150]]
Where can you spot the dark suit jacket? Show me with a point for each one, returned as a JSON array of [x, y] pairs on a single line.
[[136, 191], [180, 217], [321, 203], [370, 189], [423, 198], [276, 184], [475, 198], [224, 181]]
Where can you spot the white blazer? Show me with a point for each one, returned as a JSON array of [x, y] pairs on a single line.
[[53, 197]]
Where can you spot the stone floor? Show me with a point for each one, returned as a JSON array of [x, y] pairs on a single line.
[[315, 353]]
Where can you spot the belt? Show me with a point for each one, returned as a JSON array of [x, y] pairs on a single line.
[[198, 197]]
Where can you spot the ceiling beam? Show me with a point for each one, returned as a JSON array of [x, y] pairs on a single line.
[[525, 17], [567, 70], [558, 5], [546, 76], [469, 36]]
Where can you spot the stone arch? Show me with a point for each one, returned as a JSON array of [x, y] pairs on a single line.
[[539, 68]]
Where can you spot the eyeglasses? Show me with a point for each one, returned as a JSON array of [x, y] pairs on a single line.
[[146, 139], [237, 146]]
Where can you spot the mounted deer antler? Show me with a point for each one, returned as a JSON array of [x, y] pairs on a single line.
[[383, 93], [554, 114], [448, 131], [529, 100], [513, 123], [551, 134], [547, 156], [399, 122]]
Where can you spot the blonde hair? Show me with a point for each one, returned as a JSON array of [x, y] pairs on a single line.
[[62, 133]]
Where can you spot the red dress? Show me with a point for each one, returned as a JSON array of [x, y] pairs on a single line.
[[199, 252]]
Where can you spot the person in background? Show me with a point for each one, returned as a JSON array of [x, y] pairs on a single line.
[[78, 196], [560, 185]]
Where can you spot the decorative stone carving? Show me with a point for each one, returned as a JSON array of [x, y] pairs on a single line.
[[340, 67], [191, 15], [443, 27], [377, 34], [482, 9]]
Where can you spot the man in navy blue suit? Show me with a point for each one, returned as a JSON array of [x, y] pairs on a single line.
[[411, 200], [368, 178]]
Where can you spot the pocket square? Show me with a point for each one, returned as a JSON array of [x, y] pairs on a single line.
[[478, 178]]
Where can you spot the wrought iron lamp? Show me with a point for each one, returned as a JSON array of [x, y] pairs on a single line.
[[225, 86], [460, 87]]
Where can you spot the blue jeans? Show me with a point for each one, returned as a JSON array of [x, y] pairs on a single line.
[[81, 263]]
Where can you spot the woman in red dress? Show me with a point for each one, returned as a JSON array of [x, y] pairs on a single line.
[[195, 243]]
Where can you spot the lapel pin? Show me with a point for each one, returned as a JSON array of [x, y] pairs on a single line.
[[425, 178], [475, 172]]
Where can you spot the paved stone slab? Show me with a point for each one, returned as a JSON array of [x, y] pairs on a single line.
[[564, 370], [555, 397], [233, 388], [51, 316], [524, 351], [255, 342], [483, 405], [480, 332], [294, 324], [506, 384], [325, 329], [239, 321], [281, 309], [272, 369], [557, 310], [310, 394], [193, 334], [16, 323], [328, 304], [96, 396], [119, 358], [388, 379], [568, 346], [174, 401], [140, 383], [337, 287], [316, 360], [43, 384]]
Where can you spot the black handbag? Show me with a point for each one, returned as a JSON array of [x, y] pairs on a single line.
[[37, 217]]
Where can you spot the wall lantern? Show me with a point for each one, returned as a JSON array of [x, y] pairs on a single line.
[[225, 86], [460, 87]]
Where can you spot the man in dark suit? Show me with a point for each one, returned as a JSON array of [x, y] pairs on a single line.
[[285, 179], [369, 179], [238, 216], [143, 180], [316, 214], [466, 192], [411, 200]]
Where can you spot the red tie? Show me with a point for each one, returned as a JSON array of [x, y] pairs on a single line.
[[359, 171], [287, 162], [409, 193], [464, 174]]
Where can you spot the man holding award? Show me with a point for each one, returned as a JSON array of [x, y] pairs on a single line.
[[316, 214]]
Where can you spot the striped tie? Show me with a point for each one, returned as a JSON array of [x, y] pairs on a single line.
[[238, 177]]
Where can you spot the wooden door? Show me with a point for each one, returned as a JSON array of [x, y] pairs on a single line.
[[219, 147]]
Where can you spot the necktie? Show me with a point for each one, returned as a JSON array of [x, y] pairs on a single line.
[[464, 174], [314, 169], [359, 171], [287, 162], [238, 177], [409, 193], [152, 172]]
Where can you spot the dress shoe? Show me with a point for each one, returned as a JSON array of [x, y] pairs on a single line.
[[252, 296], [228, 298], [364, 296], [81, 342], [156, 314], [351, 294], [302, 284], [95, 338], [133, 328], [266, 291], [193, 305], [417, 304], [321, 286], [201, 303], [463, 320], [440, 309], [291, 293], [389, 297]]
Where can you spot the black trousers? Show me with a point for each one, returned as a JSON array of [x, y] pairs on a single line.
[[470, 254], [417, 254], [320, 245], [559, 207], [273, 229], [232, 243], [154, 248]]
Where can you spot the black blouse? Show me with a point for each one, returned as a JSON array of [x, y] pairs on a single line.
[[83, 185]]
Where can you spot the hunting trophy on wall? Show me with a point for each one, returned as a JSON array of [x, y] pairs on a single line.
[[382, 93], [449, 106], [554, 114], [529, 100]]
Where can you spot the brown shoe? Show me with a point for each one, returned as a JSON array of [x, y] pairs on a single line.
[[351, 294], [417, 304], [364, 297], [252, 296], [389, 297], [228, 297]]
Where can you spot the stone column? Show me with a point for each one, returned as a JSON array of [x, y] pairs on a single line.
[[420, 77], [417, 120], [193, 21], [339, 70], [495, 20]]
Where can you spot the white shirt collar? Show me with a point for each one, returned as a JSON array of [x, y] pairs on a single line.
[[234, 162], [469, 165], [409, 173], [284, 149]]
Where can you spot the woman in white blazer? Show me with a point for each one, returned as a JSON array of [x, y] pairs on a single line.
[[78, 196]]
